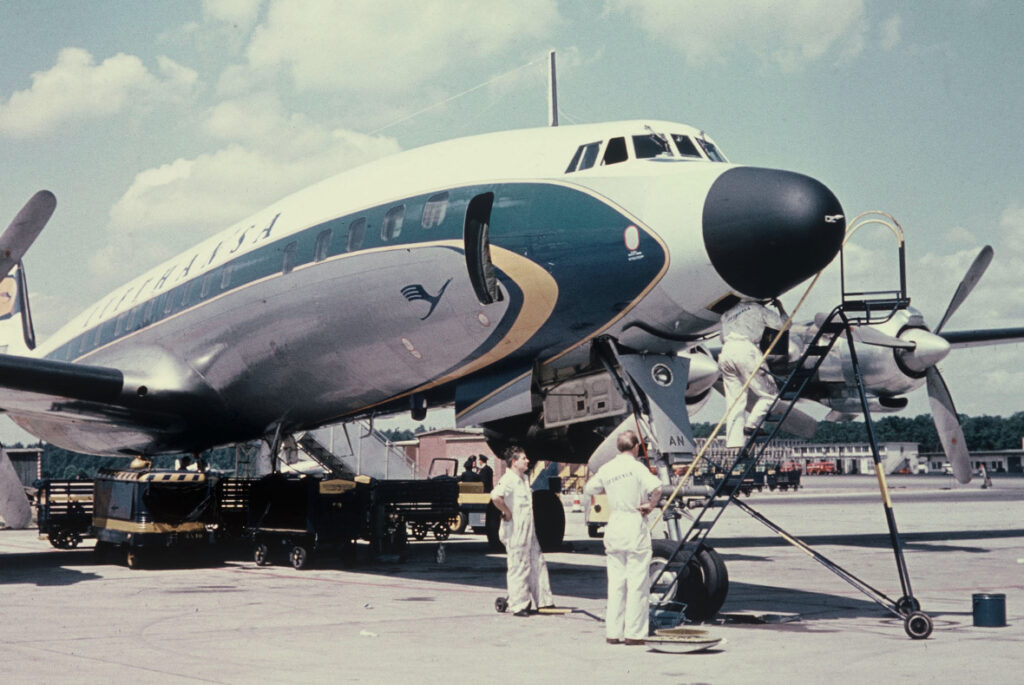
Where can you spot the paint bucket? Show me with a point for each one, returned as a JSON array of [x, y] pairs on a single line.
[[989, 610]]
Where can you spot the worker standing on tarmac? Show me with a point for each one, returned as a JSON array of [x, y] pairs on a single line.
[[633, 492], [743, 327], [527, 575]]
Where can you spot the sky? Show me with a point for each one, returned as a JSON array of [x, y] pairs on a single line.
[[158, 124]]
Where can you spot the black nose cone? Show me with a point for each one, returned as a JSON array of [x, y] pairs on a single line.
[[767, 230]]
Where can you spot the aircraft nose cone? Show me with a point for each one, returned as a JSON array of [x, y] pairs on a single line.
[[767, 230]]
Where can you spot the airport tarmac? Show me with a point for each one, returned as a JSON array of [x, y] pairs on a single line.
[[67, 619]]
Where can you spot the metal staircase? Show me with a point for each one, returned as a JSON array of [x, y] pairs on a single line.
[[857, 308]]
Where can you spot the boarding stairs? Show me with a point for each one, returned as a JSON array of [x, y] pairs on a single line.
[[315, 450], [856, 308]]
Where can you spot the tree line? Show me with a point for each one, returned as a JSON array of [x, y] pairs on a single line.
[[980, 432]]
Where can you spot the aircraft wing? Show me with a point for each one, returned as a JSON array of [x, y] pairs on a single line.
[[34, 390], [989, 336]]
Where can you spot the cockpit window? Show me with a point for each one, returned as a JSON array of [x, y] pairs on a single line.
[[711, 150], [651, 145], [615, 151], [685, 145], [585, 157]]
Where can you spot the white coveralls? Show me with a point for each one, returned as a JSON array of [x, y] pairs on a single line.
[[527, 574], [742, 328], [627, 544]]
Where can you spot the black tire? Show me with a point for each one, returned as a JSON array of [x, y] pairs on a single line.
[[595, 530], [261, 554], [459, 522], [442, 531], [548, 519], [299, 557], [704, 585], [133, 558], [918, 625]]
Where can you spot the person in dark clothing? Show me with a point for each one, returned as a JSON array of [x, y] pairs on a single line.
[[469, 474], [486, 474]]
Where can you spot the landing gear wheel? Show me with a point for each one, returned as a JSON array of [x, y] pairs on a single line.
[[907, 605], [704, 585], [918, 625], [261, 554], [441, 531], [501, 605], [299, 557]]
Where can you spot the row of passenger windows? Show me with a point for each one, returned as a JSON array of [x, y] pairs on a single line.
[[645, 146], [219, 280]]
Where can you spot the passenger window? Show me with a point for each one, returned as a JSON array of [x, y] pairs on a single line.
[[207, 285], [119, 324], [225, 276], [651, 145], [685, 145], [288, 260], [435, 210], [356, 234], [147, 314], [323, 245], [615, 152], [392, 226]]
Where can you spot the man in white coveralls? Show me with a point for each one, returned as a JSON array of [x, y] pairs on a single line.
[[527, 575], [633, 492], [742, 329]]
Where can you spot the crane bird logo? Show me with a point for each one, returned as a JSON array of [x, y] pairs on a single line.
[[418, 292]]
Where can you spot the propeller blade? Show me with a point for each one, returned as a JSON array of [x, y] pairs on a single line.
[[22, 232], [970, 280], [873, 336], [951, 435]]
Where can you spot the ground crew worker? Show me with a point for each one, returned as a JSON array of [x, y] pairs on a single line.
[[633, 492], [527, 574], [743, 327]]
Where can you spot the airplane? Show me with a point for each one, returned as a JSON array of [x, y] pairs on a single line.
[[508, 274], [478, 272]]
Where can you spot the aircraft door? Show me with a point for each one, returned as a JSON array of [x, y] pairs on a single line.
[[478, 249]]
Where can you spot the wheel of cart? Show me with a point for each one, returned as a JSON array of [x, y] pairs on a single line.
[[918, 625], [442, 531], [261, 553], [501, 605], [419, 530], [299, 556]]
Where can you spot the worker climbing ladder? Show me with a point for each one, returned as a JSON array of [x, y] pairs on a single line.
[[857, 308]]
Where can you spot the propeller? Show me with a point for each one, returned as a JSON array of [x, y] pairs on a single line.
[[25, 228], [947, 423]]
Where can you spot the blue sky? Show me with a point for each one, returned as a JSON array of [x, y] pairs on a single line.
[[156, 124]]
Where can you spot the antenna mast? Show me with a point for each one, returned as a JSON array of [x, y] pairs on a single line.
[[552, 91]]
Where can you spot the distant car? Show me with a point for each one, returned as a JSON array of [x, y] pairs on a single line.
[[947, 469]]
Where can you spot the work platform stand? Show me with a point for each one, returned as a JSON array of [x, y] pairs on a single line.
[[857, 308]]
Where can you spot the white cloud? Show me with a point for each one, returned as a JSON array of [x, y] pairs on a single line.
[[890, 32], [787, 34], [239, 13], [77, 88], [364, 46], [269, 155]]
